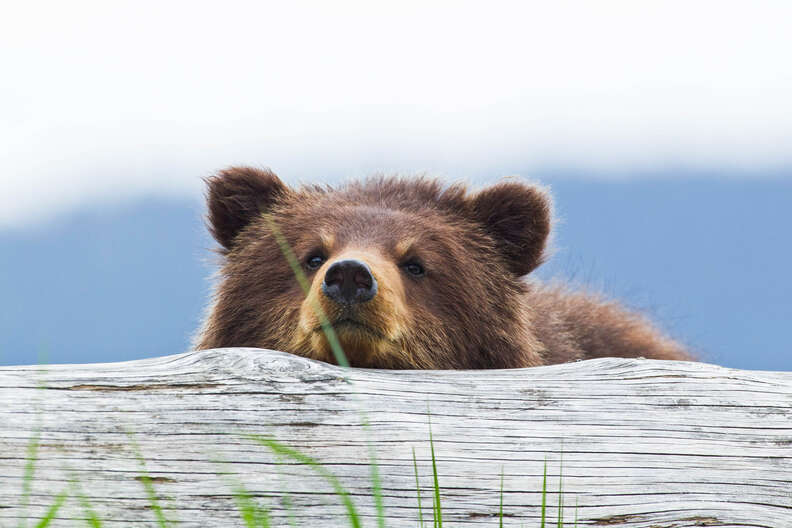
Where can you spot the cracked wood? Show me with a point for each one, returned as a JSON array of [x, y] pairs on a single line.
[[644, 443]]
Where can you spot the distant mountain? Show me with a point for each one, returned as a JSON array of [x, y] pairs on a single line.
[[710, 260], [104, 285]]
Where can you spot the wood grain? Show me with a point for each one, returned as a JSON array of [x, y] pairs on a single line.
[[644, 443]]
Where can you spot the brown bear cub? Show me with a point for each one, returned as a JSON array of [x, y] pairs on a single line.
[[411, 274]]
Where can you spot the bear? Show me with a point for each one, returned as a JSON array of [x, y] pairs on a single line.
[[408, 273]]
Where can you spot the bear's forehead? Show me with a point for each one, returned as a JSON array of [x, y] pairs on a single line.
[[336, 223], [351, 222]]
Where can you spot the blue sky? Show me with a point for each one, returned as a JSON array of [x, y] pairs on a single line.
[[114, 105]]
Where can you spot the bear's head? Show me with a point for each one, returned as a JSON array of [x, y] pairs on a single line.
[[408, 274]]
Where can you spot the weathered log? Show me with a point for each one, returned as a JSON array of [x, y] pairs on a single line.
[[644, 443]]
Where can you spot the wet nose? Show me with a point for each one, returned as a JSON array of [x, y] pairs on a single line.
[[349, 282]]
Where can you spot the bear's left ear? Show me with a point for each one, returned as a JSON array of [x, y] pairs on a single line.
[[518, 217], [235, 196]]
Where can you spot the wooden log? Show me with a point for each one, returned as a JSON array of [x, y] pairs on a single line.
[[644, 443]]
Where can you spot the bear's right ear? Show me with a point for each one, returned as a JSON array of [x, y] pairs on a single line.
[[235, 196]]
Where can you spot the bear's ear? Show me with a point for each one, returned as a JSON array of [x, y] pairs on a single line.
[[518, 217], [235, 196]]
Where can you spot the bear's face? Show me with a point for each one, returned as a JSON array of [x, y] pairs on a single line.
[[407, 274]]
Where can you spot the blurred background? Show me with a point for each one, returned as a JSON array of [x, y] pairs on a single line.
[[664, 130]]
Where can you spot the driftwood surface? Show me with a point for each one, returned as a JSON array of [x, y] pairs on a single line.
[[644, 443]]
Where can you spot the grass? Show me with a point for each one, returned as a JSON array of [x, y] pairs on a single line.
[[27, 486], [437, 506], [253, 515], [418, 490], [338, 488], [148, 485], [352, 514]]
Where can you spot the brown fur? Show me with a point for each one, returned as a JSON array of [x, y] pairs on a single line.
[[471, 309]]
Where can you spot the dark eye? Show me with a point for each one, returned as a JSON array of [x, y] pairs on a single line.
[[414, 268], [314, 262]]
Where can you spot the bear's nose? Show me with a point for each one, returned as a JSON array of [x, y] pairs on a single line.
[[349, 282]]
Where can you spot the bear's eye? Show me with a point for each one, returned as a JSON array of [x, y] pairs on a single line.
[[314, 262], [414, 268]]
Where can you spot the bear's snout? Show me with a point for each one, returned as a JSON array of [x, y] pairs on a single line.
[[349, 282]]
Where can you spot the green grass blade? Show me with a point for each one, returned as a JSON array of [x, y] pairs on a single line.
[[285, 498], [246, 508], [501, 500], [30, 470], [145, 480], [253, 515], [53, 510], [561, 491], [290, 510], [151, 493], [91, 517], [544, 494], [262, 517], [418, 489], [299, 274], [288, 452], [376, 483], [438, 510]]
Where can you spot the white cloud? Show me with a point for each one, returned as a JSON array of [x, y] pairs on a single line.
[[106, 100]]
